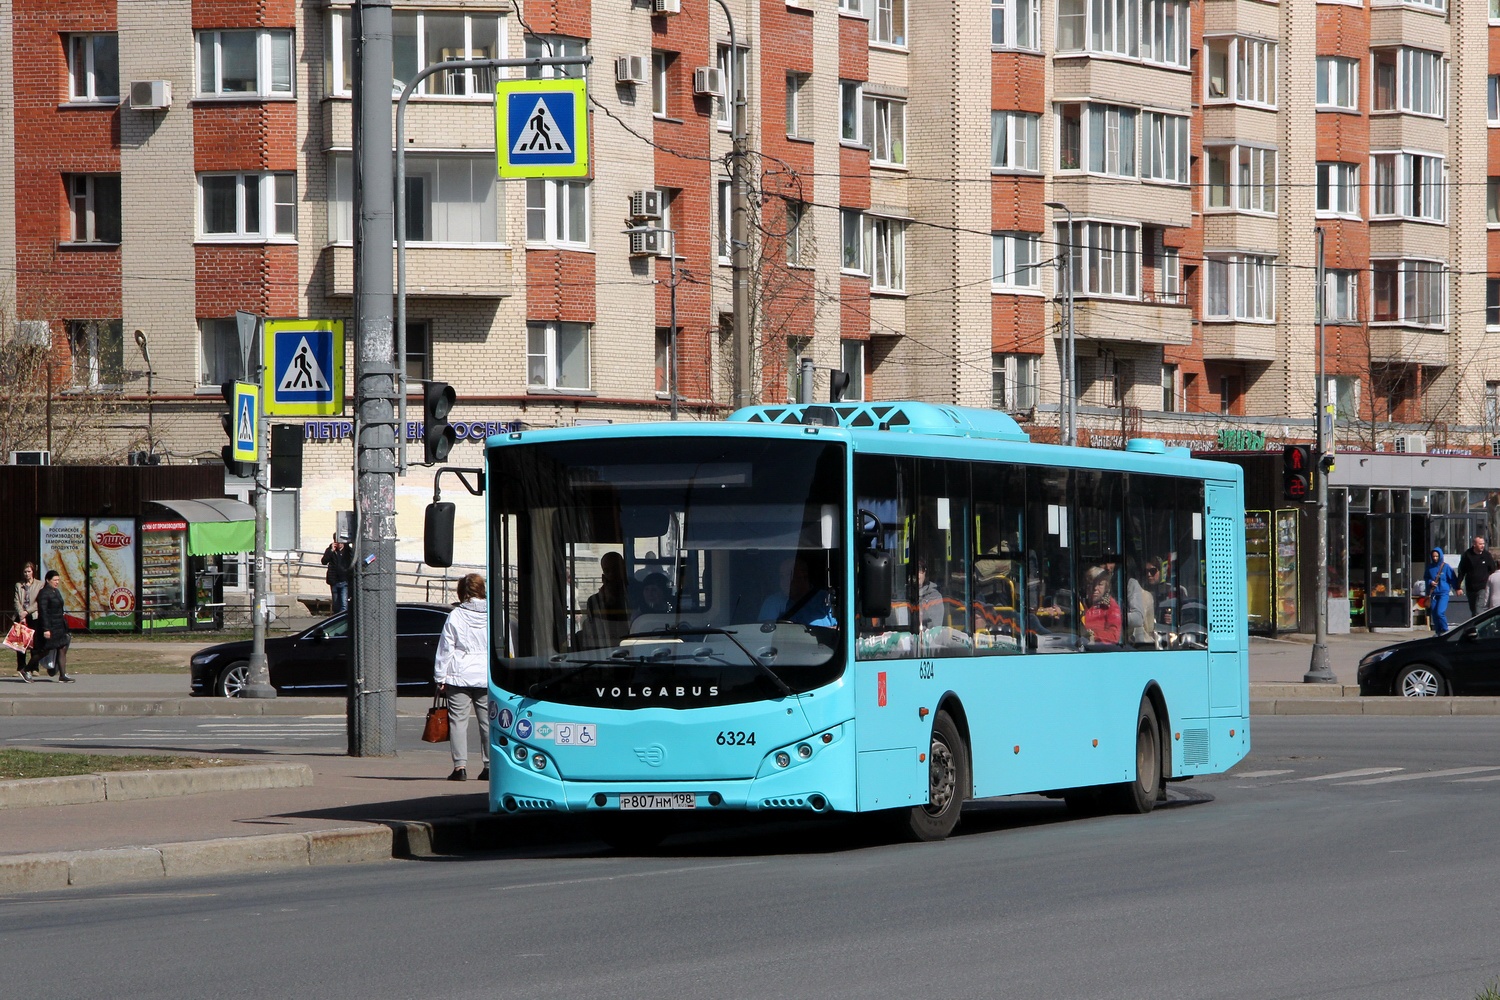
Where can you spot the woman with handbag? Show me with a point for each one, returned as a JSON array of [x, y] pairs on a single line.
[[461, 670], [53, 637], [27, 590]]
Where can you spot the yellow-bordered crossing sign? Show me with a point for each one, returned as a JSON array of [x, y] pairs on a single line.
[[542, 128]]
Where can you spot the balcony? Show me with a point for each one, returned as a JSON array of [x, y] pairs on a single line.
[[1132, 322], [1410, 345], [432, 272], [1239, 341]]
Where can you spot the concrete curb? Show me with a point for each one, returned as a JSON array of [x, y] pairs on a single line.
[[127, 706], [1387, 706], [121, 786], [276, 851]]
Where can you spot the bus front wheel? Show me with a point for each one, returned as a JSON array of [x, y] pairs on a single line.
[[1140, 795], [948, 779]]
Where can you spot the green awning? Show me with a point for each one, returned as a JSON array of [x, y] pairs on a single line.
[[216, 526]]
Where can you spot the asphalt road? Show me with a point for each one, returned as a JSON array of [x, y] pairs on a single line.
[[1345, 858]]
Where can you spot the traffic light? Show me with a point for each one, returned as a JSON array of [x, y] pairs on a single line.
[[838, 383], [286, 456], [244, 470], [1296, 471], [438, 436], [1325, 464]]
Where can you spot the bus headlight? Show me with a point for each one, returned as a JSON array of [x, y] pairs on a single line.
[[539, 762], [521, 753], [804, 751], [783, 758]]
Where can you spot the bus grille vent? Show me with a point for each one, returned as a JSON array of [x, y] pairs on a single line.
[[540, 805], [1195, 747], [786, 802]]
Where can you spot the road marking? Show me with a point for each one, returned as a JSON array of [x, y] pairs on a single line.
[[1425, 774], [1358, 773], [1258, 774], [1488, 777], [619, 878]]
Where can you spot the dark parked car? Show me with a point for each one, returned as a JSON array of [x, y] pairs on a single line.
[[316, 661], [1463, 660]]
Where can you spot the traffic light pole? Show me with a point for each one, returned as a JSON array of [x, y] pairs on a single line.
[[1318, 671], [259, 681]]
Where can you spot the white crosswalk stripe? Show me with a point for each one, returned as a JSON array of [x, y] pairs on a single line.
[[1261, 774], [1445, 773], [1357, 773]]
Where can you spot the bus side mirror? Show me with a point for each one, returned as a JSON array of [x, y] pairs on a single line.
[[437, 535], [875, 583]]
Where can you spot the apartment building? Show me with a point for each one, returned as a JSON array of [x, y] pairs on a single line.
[[918, 179]]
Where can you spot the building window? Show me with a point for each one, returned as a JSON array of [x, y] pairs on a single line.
[[1169, 389], [851, 99], [1492, 107], [1228, 392], [94, 207], [254, 62], [725, 218], [555, 47], [1164, 147], [219, 357], [1108, 28], [1492, 302], [97, 347], [422, 38], [853, 7], [799, 105], [1014, 261], [1099, 138], [1343, 391], [1164, 32], [663, 360], [1410, 292], [1338, 189], [852, 229], [1240, 287], [247, 206], [1341, 296], [1410, 80], [798, 235], [449, 199], [1106, 259], [1242, 178], [668, 198], [1170, 287], [886, 254], [738, 80], [888, 26], [94, 67], [1241, 70], [1013, 381], [1338, 83], [1408, 186], [1492, 201], [1016, 24], [557, 356], [661, 63], [852, 357], [1013, 140], [557, 213], [885, 130]]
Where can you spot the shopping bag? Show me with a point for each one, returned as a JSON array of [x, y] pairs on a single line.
[[436, 730], [19, 637]]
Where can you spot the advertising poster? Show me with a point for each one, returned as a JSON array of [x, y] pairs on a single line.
[[64, 547], [112, 583]]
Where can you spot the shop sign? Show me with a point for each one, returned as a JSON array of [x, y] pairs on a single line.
[[332, 431]]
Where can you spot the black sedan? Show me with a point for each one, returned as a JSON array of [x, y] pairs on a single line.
[[1463, 660], [316, 661]]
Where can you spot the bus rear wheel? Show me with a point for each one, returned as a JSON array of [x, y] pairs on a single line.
[[948, 782], [1140, 795]]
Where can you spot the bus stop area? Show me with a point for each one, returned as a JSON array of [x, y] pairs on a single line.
[[295, 809]]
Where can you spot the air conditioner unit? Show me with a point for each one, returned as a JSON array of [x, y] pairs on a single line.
[[645, 204], [708, 80], [630, 69], [1410, 444], [646, 243], [150, 95], [31, 458], [666, 6]]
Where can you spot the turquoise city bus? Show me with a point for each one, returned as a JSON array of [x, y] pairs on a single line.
[[857, 608]]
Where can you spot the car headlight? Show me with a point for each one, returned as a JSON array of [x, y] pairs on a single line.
[[203, 659], [1375, 657]]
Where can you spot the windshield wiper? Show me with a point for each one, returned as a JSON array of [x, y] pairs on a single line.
[[678, 631], [613, 660]]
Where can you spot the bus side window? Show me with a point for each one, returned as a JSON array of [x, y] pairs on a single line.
[[1050, 591], [999, 610], [884, 487], [939, 568]]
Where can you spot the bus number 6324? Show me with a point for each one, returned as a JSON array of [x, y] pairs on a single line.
[[733, 738]]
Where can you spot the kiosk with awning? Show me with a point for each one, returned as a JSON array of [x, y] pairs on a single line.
[[182, 545]]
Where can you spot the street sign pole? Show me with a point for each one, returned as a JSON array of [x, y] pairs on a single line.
[[259, 682]]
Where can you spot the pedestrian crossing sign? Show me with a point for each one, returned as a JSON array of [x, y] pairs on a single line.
[[304, 367], [541, 128], [246, 422]]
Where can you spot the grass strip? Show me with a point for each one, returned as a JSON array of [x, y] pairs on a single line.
[[40, 764]]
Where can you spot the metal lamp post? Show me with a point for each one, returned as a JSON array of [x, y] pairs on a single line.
[[1318, 670], [1067, 411], [140, 341]]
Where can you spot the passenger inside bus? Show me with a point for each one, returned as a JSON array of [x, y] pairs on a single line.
[[1101, 612], [654, 599], [804, 600], [607, 616]]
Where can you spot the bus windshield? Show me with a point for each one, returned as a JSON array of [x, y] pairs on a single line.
[[668, 572]]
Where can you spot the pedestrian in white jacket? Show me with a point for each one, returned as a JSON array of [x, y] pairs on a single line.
[[462, 672]]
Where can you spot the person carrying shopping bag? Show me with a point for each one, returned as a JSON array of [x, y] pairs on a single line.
[[52, 638], [28, 588], [461, 670]]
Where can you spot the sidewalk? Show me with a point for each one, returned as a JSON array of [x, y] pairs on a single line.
[[375, 809]]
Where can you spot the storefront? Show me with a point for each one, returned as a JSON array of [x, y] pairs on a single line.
[[182, 545]]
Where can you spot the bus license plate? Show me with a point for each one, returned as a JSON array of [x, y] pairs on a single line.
[[649, 800]]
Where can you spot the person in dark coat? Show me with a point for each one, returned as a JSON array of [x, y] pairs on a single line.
[[339, 558], [1474, 569], [52, 628]]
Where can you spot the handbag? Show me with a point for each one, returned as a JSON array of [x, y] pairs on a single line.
[[19, 637], [436, 729]]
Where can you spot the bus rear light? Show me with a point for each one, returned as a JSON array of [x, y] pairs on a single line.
[[804, 751], [782, 758]]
